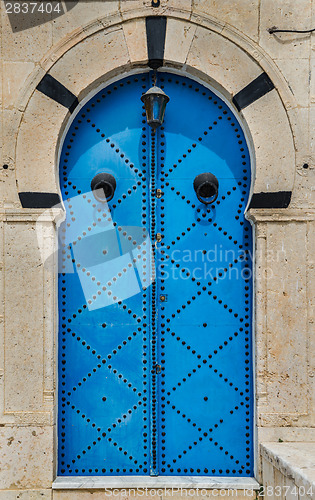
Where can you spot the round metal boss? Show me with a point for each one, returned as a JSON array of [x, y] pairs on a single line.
[[103, 186], [206, 186]]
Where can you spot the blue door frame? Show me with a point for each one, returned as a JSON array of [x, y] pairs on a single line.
[[155, 289]]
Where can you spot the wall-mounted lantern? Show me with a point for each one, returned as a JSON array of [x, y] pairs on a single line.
[[155, 101]]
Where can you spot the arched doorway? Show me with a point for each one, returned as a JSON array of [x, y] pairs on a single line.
[[155, 356]]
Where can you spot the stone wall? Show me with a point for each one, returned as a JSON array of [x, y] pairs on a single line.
[[226, 44]]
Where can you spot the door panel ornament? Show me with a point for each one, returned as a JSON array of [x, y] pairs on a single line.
[[103, 186], [207, 188]]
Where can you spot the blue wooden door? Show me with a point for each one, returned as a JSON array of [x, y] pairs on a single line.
[[155, 289]]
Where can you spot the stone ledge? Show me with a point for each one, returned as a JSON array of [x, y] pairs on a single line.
[[99, 482], [26, 418], [295, 461], [31, 214], [281, 214]]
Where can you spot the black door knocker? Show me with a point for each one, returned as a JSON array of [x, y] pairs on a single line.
[[103, 186], [207, 187]]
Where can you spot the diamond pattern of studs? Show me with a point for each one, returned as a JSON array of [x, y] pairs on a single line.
[[104, 417], [118, 415], [204, 324]]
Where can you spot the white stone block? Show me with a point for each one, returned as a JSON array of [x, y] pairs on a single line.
[[23, 320], [136, 39], [297, 74], [16, 74], [25, 45], [37, 144], [222, 60], [286, 14], [179, 35], [286, 298], [273, 143], [26, 459], [80, 69], [242, 14], [25, 494], [81, 15], [268, 474]]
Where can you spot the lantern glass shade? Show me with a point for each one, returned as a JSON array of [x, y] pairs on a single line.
[[155, 101]]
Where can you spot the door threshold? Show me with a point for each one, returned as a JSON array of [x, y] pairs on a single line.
[[123, 482]]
